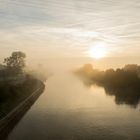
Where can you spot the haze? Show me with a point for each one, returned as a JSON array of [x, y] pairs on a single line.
[[60, 36], [65, 29]]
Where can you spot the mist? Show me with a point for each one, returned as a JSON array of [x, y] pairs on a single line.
[[123, 83], [69, 109]]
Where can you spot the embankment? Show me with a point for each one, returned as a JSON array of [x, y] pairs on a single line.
[[11, 119]]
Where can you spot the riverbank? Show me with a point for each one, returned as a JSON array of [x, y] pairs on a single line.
[[15, 107]]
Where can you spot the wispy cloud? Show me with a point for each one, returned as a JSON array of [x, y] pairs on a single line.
[[70, 25]]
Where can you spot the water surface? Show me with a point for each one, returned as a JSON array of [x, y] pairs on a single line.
[[68, 110]]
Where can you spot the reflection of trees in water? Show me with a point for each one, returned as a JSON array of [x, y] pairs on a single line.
[[123, 83], [128, 96]]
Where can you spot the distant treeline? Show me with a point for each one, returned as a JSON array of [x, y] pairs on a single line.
[[124, 82]]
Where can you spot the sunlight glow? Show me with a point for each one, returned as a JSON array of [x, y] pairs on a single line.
[[98, 51]]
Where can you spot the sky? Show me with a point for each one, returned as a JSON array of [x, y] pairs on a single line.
[[70, 28]]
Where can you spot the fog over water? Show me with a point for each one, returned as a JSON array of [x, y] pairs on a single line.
[[68, 110], [62, 35]]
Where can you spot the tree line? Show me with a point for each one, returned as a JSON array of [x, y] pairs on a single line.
[[123, 83]]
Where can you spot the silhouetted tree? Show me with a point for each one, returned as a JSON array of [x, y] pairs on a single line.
[[16, 61], [123, 83]]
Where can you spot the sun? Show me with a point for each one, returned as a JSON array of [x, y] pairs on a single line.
[[98, 51]]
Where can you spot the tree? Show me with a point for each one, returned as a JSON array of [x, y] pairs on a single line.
[[16, 61]]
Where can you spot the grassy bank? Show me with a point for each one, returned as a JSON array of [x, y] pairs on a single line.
[[12, 95]]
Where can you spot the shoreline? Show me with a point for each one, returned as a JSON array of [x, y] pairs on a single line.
[[13, 117]]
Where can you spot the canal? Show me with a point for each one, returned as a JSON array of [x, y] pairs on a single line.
[[68, 110]]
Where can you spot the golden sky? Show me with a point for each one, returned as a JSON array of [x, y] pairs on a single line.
[[71, 28]]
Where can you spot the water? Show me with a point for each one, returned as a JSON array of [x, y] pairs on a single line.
[[68, 110]]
